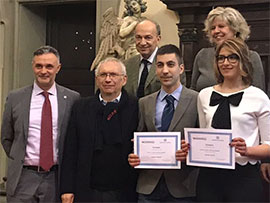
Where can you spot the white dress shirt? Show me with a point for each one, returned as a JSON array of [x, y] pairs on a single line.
[[150, 60]]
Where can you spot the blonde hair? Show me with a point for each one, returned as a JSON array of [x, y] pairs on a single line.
[[240, 48], [232, 17]]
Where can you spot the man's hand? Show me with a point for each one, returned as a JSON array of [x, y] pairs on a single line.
[[67, 198], [133, 160], [265, 169], [181, 154]]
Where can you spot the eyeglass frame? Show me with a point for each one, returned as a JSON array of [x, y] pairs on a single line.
[[111, 75], [229, 58]]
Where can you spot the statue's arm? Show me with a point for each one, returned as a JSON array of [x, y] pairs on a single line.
[[127, 27]]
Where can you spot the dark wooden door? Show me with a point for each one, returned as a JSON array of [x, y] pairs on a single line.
[[71, 29]]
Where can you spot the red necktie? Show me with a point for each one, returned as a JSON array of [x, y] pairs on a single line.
[[46, 141]]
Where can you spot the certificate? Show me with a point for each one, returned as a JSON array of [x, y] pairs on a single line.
[[210, 148], [156, 150]]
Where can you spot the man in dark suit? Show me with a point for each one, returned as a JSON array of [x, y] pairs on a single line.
[[95, 166], [168, 185], [33, 143], [141, 68]]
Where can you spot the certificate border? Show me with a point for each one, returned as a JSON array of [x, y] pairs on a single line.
[[207, 162], [176, 135], [192, 162]]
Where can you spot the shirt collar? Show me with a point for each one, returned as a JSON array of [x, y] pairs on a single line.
[[116, 100], [176, 94], [152, 57], [37, 90]]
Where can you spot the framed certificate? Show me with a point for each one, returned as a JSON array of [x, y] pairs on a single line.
[[157, 149], [210, 148]]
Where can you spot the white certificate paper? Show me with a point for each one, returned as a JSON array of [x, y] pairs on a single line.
[[210, 148], [157, 149]]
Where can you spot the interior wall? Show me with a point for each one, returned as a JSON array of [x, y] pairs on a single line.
[[167, 19], [23, 30], [29, 35], [6, 62]]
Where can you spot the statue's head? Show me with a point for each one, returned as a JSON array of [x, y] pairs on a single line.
[[131, 5]]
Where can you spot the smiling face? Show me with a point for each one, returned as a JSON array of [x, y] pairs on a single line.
[[110, 80], [168, 71], [146, 38], [220, 31], [45, 68], [229, 70]]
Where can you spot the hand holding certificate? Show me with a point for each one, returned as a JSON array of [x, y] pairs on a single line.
[[210, 148], [157, 149]]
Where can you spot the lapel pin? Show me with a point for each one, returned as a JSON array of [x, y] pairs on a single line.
[[65, 97]]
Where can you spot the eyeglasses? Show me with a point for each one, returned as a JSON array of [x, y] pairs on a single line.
[[111, 75], [233, 58]]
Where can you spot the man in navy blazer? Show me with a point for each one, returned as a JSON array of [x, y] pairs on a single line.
[[27, 181]]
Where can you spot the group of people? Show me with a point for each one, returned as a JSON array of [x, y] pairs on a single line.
[[84, 153]]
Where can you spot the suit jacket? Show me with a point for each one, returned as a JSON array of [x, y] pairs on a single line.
[[152, 83], [15, 125], [181, 183], [79, 145]]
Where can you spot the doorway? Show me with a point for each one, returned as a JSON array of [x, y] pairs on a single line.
[[71, 30]]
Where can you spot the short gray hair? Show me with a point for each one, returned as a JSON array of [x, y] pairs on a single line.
[[46, 50], [111, 59]]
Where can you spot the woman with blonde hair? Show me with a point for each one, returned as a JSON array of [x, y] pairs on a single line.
[[237, 105], [223, 23]]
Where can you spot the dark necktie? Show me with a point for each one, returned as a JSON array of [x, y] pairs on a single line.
[[167, 114], [140, 91], [46, 140], [222, 116]]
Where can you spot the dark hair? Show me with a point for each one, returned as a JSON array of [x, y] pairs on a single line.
[[171, 49], [45, 50], [240, 48]]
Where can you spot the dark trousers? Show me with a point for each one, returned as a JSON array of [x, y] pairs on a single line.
[[109, 196], [162, 194], [224, 185], [35, 187]]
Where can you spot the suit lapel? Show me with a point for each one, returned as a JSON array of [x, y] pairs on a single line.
[[151, 75], [180, 109], [26, 103], [135, 76], [61, 99], [152, 110]]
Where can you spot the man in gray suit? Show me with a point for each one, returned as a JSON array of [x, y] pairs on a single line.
[[168, 185], [32, 139], [142, 80]]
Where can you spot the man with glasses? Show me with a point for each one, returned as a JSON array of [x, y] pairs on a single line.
[[95, 166]]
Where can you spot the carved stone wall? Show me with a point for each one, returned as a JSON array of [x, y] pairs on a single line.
[[193, 13]]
